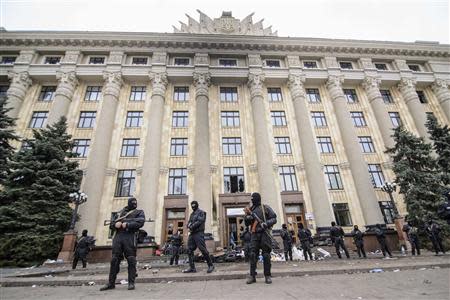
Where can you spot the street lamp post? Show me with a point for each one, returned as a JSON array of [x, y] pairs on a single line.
[[76, 198], [389, 188]]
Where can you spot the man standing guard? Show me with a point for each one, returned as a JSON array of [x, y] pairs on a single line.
[[126, 225], [337, 237], [196, 226], [175, 240], [359, 241], [287, 241], [82, 249], [413, 237], [304, 235], [381, 237], [260, 218], [434, 233]]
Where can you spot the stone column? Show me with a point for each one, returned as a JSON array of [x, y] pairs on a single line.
[[440, 89], [371, 85], [358, 166], [99, 152], [20, 82], [202, 160], [264, 157], [407, 87], [148, 195], [63, 96], [323, 214]]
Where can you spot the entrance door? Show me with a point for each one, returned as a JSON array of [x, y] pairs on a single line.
[[175, 220], [235, 225], [294, 216]]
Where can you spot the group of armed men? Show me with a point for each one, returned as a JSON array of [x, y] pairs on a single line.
[[259, 220]]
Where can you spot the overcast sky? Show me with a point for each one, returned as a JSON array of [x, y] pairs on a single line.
[[393, 20]]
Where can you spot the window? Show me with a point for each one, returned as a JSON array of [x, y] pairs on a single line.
[[381, 66], [333, 177], [387, 97], [283, 145], [422, 97], [8, 60], [81, 147], [38, 119], [231, 146], [230, 118], [228, 94], [227, 62], [388, 212], [278, 118], [138, 93], [414, 68], [325, 144], [318, 118], [273, 63], [366, 144], [358, 118], [288, 179], [93, 93], [181, 61], [130, 148], [274, 94], [313, 95], [27, 144], [177, 181], [126, 183], [233, 180], [377, 175], [3, 90], [96, 60], [178, 146], [395, 119], [87, 119], [134, 119], [350, 95], [342, 214], [180, 119], [181, 93], [139, 60], [310, 64], [346, 65], [47, 93], [52, 60]]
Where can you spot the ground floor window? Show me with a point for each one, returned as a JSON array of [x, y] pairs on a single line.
[[233, 180], [387, 210], [342, 214]]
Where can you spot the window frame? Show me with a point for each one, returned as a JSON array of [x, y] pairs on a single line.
[[349, 67], [274, 94], [379, 64], [132, 117], [366, 144], [422, 97], [313, 62], [288, 179], [134, 93], [45, 91], [387, 96], [180, 116], [227, 65], [96, 90], [8, 59], [90, 119], [325, 144], [181, 93], [39, 118], [130, 148], [48, 60], [323, 119], [283, 145], [376, 175], [133, 58], [356, 120], [313, 95], [231, 146], [228, 94], [266, 64], [278, 120], [238, 173], [94, 58], [351, 96], [333, 177], [122, 189], [177, 175], [387, 206], [84, 147], [178, 146], [182, 58], [227, 118], [337, 210], [395, 115]]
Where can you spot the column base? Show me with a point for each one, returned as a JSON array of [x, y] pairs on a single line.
[[66, 253]]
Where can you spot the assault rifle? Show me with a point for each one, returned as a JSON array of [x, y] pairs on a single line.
[[265, 230], [109, 222]]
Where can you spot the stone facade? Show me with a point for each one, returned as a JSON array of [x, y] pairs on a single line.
[[204, 74]]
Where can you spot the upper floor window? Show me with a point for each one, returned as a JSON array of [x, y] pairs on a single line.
[[138, 93], [139, 60], [230, 118], [182, 61], [283, 145], [81, 147], [376, 175], [38, 119], [96, 60], [358, 118], [134, 119], [366, 144], [178, 146], [47, 93], [288, 179], [226, 62], [87, 119], [325, 144], [415, 68], [177, 181], [381, 66], [52, 60], [228, 94], [180, 119], [231, 146], [130, 148], [313, 95], [126, 183], [93, 93], [274, 94], [422, 97], [351, 96], [278, 118], [181, 93], [333, 177], [318, 118], [346, 65], [310, 64], [8, 60], [387, 97], [233, 179], [395, 119], [273, 63]]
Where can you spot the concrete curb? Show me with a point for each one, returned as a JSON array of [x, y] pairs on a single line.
[[9, 282]]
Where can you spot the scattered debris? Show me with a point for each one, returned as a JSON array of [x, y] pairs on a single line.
[[155, 271], [33, 286], [396, 270], [421, 269], [123, 281], [426, 281], [376, 271], [147, 267], [359, 298], [324, 252], [294, 265], [91, 283], [48, 276], [171, 281]]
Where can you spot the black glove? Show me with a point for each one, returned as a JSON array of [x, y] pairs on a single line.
[[264, 225]]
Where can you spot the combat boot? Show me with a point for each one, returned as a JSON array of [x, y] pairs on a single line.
[[131, 286], [190, 270], [251, 279], [268, 280], [107, 287], [210, 269]]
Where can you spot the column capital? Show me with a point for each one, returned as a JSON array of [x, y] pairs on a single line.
[[255, 83], [296, 85], [20, 82], [159, 81], [202, 81], [371, 82], [407, 83], [439, 84], [67, 82], [113, 83], [335, 81]]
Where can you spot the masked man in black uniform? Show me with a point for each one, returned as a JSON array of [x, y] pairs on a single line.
[[337, 236], [381, 238], [82, 249], [359, 241], [287, 242], [434, 233], [196, 226], [126, 226], [260, 218], [246, 238], [175, 240], [304, 235]]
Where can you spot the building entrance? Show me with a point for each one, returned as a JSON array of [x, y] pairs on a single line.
[[175, 220], [295, 215], [235, 226]]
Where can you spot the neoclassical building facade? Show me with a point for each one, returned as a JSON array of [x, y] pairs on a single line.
[[221, 108]]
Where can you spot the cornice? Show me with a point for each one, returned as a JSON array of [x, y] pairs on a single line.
[[208, 41]]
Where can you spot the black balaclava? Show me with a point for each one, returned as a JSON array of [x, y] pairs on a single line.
[[333, 223], [84, 232], [194, 205], [355, 227], [284, 226], [132, 203], [256, 199], [300, 225]]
